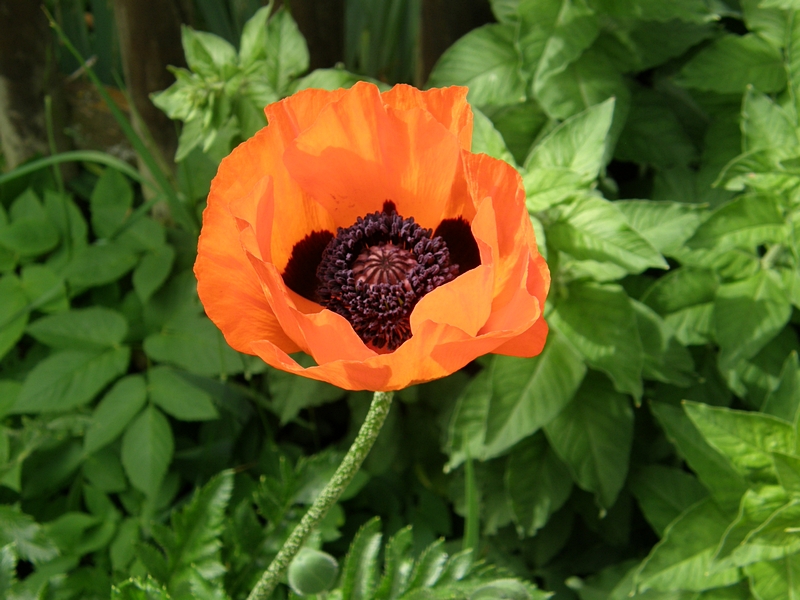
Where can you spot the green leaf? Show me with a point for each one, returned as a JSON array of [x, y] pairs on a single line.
[[784, 400], [206, 53], [527, 393], [775, 538], [777, 579], [600, 322], [682, 559], [664, 493], [666, 225], [747, 315], [147, 448], [152, 271], [312, 572], [195, 344], [99, 264], [747, 221], [30, 541], [8, 573], [253, 45], [654, 10], [286, 51], [592, 228], [588, 81], [712, 468], [758, 506], [13, 313], [788, 469], [136, 589], [70, 378], [110, 203], [487, 140], [45, 290], [733, 62], [664, 359], [538, 484], [593, 436], [746, 438], [332, 79], [113, 413], [93, 328], [578, 144], [179, 398], [360, 569], [103, 470], [519, 124], [486, 61], [766, 125], [29, 236], [290, 394]]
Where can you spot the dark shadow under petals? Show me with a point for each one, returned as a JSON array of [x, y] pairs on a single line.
[[300, 274], [464, 251]]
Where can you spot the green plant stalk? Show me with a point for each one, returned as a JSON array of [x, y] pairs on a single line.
[[179, 211], [378, 409]]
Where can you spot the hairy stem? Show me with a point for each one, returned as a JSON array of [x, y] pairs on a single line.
[[381, 401]]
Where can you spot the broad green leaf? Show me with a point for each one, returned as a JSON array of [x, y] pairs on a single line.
[[29, 236], [179, 398], [759, 375], [527, 393], [207, 54], [286, 51], [143, 235], [103, 469], [553, 35], [655, 10], [746, 438], [747, 315], [578, 144], [600, 322], [93, 328], [70, 378], [588, 81], [592, 228], [486, 61], [766, 125], [757, 507], [712, 468], [733, 62], [110, 203], [664, 493], [685, 298], [8, 572], [547, 187], [666, 225], [788, 469], [467, 427], [113, 413], [99, 264], [44, 288], [152, 271], [776, 579], [664, 358], [147, 448], [775, 538], [332, 79], [783, 401], [253, 44], [13, 313], [9, 390], [768, 23], [746, 221], [360, 569], [537, 482], [682, 559], [792, 50], [593, 436], [195, 344], [487, 140], [519, 124], [29, 539]]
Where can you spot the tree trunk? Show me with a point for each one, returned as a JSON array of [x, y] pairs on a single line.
[[27, 75]]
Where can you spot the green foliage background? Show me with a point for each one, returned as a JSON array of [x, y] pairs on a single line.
[[650, 451]]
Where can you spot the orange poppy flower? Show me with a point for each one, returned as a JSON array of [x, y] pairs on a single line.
[[358, 228]]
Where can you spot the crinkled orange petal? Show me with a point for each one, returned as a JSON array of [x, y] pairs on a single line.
[[359, 153], [447, 105]]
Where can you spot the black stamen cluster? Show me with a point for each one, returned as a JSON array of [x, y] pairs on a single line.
[[416, 262]]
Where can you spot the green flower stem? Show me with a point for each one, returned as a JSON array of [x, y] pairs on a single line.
[[381, 401]]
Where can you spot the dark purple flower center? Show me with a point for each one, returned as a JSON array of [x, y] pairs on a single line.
[[374, 272]]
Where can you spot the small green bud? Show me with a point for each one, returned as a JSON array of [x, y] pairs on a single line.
[[312, 572]]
